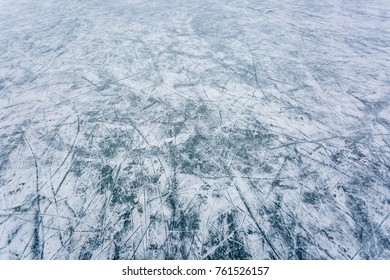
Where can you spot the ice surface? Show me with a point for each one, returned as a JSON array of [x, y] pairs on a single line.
[[194, 129]]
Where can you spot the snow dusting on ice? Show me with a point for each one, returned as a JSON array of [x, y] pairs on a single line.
[[178, 129]]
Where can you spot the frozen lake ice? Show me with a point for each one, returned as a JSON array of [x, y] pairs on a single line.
[[134, 129]]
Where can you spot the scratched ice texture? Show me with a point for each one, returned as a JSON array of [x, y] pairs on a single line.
[[187, 129]]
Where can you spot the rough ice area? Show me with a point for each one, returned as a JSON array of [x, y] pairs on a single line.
[[182, 129]]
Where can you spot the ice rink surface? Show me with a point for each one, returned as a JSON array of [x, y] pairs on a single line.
[[195, 129]]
